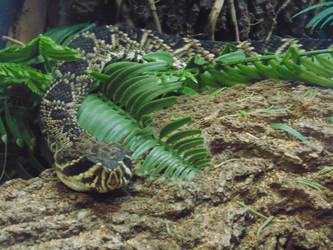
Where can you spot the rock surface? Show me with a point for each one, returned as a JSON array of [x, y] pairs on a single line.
[[254, 164]]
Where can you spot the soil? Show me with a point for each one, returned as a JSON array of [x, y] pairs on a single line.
[[257, 173]]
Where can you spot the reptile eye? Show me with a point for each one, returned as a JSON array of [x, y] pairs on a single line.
[[78, 167]]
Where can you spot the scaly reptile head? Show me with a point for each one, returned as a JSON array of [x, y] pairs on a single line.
[[93, 166]]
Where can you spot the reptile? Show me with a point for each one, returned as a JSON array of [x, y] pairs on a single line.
[[81, 162]]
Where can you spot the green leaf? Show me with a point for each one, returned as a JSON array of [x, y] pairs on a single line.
[[328, 19], [104, 121], [312, 184], [181, 135], [187, 144], [155, 105], [19, 53], [172, 126], [250, 72], [97, 75], [40, 46], [313, 7], [325, 170], [95, 117], [267, 221], [266, 71], [196, 157], [307, 76], [319, 17], [195, 151], [18, 73], [283, 72], [289, 130], [63, 35], [223, 78], [28, 136], [229, 48], [146, 96], [325, 62], [159, 56], [143, 148], [206, 162], [199, 61], [55, 52], [233, 56], [127, 70], [316, 68], [208, 80]]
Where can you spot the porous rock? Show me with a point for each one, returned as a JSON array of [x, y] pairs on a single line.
[[254, 164]]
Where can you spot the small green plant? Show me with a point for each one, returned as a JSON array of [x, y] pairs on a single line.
[[21, 88], [312, 184], [267, 221], [288, 129], [326, 170]]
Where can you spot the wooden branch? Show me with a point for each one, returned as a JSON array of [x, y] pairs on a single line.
[[152, 7], [123, 13], [234, 18], [212, 19], [274, 19], [119, 4], [4, 162]]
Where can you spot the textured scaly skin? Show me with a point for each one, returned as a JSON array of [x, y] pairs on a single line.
[[81, 162]]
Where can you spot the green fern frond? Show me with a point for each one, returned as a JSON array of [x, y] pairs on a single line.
[[292, 65], [106, 121], [129, 86], [172, 126], [139, 91], [63, 35], [321, 16]]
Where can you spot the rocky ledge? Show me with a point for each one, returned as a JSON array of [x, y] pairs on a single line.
[[259, 194]]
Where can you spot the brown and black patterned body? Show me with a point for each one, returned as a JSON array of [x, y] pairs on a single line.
[[83, 163]]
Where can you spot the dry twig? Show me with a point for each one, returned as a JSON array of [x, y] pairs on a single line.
[[283, 6], [152, 7], [13, 40], [123, 13], [212, 19], [234, 18]]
